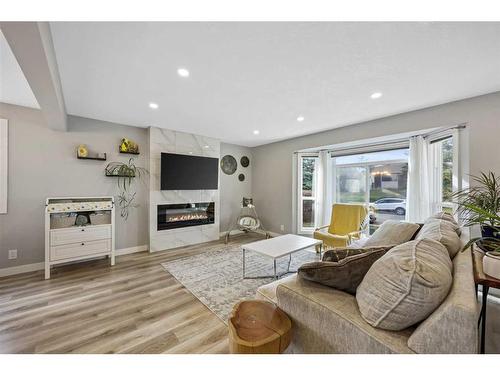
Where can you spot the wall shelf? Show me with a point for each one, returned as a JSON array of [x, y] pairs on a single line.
[[91, 157], [118, 175]]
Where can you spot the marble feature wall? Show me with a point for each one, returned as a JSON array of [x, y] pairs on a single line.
[[163, 140]]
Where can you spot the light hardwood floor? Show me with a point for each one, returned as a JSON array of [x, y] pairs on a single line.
[[134, 307]]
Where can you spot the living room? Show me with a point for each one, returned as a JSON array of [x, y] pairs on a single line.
[[249, 187]]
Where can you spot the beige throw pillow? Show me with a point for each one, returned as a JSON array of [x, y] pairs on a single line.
[[406, 285], [392, 232], [442, 231], [449, 219], [342, 268]]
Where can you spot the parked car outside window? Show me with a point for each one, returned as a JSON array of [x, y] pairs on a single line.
[[397, 205]]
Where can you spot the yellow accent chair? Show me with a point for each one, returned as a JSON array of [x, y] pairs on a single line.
[[347, 224]]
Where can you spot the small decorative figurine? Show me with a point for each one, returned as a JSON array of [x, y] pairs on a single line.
[[82, 151]]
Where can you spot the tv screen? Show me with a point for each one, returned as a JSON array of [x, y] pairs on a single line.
[[186, 172]]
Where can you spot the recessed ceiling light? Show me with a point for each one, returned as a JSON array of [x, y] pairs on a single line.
[[190, 152], [183, 72], [376, 95], [206, 146], [300, 118], [153, 105], [256, 132]]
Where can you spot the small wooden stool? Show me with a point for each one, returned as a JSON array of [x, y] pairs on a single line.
[[258, 327]]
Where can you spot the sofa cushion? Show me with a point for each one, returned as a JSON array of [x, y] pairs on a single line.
[[327, 320], [444, 232], [392, 232], [342, 268], [406, 285], [452, 327]]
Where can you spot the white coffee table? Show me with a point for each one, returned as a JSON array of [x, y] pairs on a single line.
[[279, 247]]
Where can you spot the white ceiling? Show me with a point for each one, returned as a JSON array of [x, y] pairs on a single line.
[[247, 76], [14, 88]]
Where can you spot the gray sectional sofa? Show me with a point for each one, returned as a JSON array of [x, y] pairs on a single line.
[[326, 320]]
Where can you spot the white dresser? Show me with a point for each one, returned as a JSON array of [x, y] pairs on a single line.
[[66, 241]]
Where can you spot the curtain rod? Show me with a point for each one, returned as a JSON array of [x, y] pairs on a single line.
[[394, 141], [400, 140], [442, 130]]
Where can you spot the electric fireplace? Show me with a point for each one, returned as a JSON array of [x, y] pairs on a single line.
[[181, 215]]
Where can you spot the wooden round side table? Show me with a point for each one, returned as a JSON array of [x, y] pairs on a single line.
[[258, 327]]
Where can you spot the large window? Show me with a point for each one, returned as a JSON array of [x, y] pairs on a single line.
[[377, 175], [308, 178], [378, 179]]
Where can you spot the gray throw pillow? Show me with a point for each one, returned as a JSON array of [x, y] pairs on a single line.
[[392, 232], [406, 285], [342, 268], [444, 232]]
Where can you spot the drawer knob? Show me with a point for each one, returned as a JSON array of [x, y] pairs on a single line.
[[83, 230], [83, 244]]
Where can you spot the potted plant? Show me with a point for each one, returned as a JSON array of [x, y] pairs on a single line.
[[480, 205], [125, 173]]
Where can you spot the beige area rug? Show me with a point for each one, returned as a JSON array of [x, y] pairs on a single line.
[[215, 277]]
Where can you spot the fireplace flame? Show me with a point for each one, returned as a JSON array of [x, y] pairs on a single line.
[[186, 217]]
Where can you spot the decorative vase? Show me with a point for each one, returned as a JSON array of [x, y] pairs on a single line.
[[491, 265], [489, 231]]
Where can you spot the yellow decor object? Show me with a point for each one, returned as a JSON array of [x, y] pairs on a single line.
[[345, 225], [129, 146], [82, 151]]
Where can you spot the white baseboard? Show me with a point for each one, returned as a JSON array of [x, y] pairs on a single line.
[[234, 231], [131, 250], [9, 271]]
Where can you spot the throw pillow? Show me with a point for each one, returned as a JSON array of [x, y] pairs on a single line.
[[342, 268], [405, 285], [444, 216], [448, 218], [392, 232], [444, 232]]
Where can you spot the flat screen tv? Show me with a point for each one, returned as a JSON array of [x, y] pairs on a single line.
[[187, 172]]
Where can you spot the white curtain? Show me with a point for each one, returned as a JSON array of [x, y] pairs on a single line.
[[322, 197], [418, 197]]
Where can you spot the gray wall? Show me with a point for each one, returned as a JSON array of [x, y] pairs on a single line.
[[272, 173], [231, 189], [43, 163]]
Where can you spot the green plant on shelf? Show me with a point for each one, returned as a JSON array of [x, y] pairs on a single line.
[[125, 174]]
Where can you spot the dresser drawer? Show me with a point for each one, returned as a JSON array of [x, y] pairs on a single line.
[[79, 234], [81, 249]]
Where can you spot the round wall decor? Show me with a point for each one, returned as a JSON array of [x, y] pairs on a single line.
[[241, 177], [228, 164], [245, 161]]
